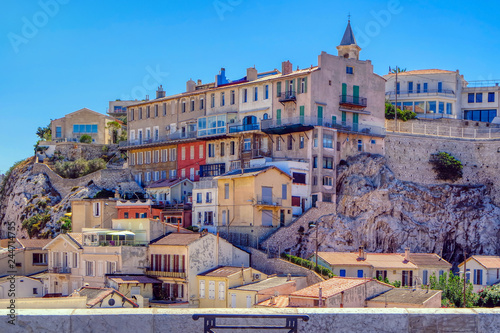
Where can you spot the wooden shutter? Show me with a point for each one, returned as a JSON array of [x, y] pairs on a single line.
[[305, 90], [151, 263], [278, 89]]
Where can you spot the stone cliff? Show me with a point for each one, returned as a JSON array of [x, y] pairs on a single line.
[[384, 214]]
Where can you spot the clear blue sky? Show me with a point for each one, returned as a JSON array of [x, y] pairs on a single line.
[[86, 53]]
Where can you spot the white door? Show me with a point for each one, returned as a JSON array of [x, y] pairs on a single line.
[[233, 300], [65, 288], [249, 301], [224, 217]]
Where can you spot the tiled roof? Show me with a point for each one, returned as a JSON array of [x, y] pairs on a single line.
[[408, 296], [96, 295], [265, 284], [179, 239], [487, 261], [389, 260], [276, 302], [33, 243], [77, 237], [428, 259], [331, 287], [342, 259], [223, 271], [249, 172], [125, 279]]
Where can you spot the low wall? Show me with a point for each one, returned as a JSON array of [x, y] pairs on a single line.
[[320, 320], [47, 303]]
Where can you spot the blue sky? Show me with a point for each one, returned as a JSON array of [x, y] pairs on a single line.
[[86, 53]]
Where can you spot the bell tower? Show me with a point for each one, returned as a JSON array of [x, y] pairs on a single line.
[[348, 47]]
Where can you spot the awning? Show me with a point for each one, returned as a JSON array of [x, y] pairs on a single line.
[[68, 214], [122, 233]]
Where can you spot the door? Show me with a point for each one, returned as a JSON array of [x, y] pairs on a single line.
[[249, 301], [314, 200], [320, 116], [224, 217], [267, 218], [355, 121], [267, 195], [278, 117], [233, 300], [302, 115], [65, 288], [282, 217], [360, 273]]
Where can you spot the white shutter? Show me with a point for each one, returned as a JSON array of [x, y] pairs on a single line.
[[202, 288], [211, 289], [222, 290], [84, 262], [100, 268]]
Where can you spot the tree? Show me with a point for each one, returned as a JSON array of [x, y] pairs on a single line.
[[403, 115], [114, 127], [489, 297], [398, 70], [446, 166], [86, 138], [44, 133], [453, 290]]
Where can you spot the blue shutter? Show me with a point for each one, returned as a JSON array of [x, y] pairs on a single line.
[[342, 273], [475, 276], [360, 273]]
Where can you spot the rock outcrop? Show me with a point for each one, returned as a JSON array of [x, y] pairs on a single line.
[[384, 214]]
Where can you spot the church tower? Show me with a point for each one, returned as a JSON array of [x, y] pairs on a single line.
[[348, 47]]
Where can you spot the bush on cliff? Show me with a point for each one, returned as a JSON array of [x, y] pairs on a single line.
[[78, 168], [36, 223], [446, 166]]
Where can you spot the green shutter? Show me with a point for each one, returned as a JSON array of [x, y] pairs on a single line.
[[355, 121], [334, 120], [344, 92], [278, 117], [320, 116], [298, 85], [306, 85], [302, 114], [287, 83], [344, 116], [355, 94], [278, 89]]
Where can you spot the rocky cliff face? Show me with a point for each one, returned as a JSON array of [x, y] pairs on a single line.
[[384, 214]]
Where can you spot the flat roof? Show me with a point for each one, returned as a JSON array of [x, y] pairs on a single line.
[[408, 296]]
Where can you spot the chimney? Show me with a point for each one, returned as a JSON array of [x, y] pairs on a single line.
[[407, 254], [160, 93], [286, 67], [190, 86], [361, 254], [289, 277], [320, 294], [198, 83], [251, 74]]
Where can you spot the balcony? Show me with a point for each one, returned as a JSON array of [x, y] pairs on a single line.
[[287, 96], [414, 93], [159, 140], [289, 125], [353, 101], [267, 201], [243, 128], [349, 127], [177, 275], [60, 270], [212, 170]]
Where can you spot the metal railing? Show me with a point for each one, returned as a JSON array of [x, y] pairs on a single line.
[[428, 92], [60, 270], [444, 131], [205, 184], [283, 122], [160, 139], [243, 128], [353, 100], [212, 170], [210, 322], [289, 95], [180, 275], [267, 201]]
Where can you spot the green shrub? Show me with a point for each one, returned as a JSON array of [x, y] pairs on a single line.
[[86, 138], [105, 149], [65, 224], [36, 223], [446, 166], [308, 264], [489, 297], [453, 290], [403, 115], [78, 168]]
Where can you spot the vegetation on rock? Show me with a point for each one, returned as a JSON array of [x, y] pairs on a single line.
[[86, 138], [36, 223], [446, 166], [78, 168]]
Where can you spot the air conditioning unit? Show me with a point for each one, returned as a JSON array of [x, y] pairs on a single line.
[[256, 276]]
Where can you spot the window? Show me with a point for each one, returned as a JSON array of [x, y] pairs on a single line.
[[440, 86], [164, 174], [156, 158], [164, 155], [222, 99], [478, 276], [173, 154], [441, 107], [202, 103], [208, 197], [211, 150], [256, 94], [222, 151], [164, 109], [211, 289], [202, 288], [247, 144], [84, 128], [327, 162], [327, 141], [315, 140], [407, 279], [449, 108], [410, 87], [245, 95], [35, 291], [342, 273], [290, 142], [140, 157], [148, 157], [278, 144], [327, 181], [212, 98], [192, 105], [132, 114], [278, 89], [425, 87], [303, 85], [110, 267], [183, 153], [147, 176], [284, 191], [491, 97], [58, 132], [231, 148], [156, 110], [39, 258], [183, 106], [360, 145], [125, 215], [226, 191], [301, 141], [90, 268], [479, 97], [425, 276], [299, 178], [97, 209], [381, 275], [232, 98], [191, 152], [148, 111], [183, 173], [418, 88], [172, 174], [156, 176], [349, 70], [266, 92], [200, 155], [360, 273], [315, 181], [140, 113], [470, 98], [222, 290], [315, 162]]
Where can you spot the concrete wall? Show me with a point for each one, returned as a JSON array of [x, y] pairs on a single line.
[[180, 320], [46, 303], [408, 157]]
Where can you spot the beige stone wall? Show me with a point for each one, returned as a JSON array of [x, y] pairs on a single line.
[[408, 157]]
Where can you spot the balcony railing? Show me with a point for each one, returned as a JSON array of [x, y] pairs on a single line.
[[414, 93], [243, 128], [267, 201], [179, 275], [353, 100], [160, 139], [117, 243], [345, 126], [60, 270], [287, 96], [205, 184]]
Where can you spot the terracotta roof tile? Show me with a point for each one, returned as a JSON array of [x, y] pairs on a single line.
[[125, 279], [428, 259], [96, 295], [276, 302], [342, 258], [488, 261], [33, 243], [375, 260], [331, 287], [178, 239]]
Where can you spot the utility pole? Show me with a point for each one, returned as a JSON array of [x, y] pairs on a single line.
[[465, 275], [396, 105], [317, 227]]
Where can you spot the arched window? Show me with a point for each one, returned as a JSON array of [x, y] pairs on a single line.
[[266, 116]]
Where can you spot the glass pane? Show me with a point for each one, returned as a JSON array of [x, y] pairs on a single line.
[[94, 128], [76, 128], [88, 128], [82, 128], [419, 107]]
